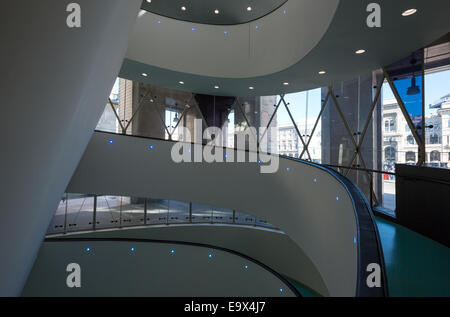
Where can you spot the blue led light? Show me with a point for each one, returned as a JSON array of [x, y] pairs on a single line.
[[151, 147], [159, 21], [132, 249], [210, 255], [354, 240], [246, 267], [288, 169], [315, 180], [256, 27], [190, 150], [110, 141], [259, 161], [172, 251], [337, 197], [225, 32], [226, 155], [284, 11], [193, 29], [88, 249], [281, 290]]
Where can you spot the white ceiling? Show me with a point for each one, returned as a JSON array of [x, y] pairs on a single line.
[[265, 46]]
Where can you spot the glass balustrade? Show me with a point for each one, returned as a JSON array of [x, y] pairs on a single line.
[[81, 212]]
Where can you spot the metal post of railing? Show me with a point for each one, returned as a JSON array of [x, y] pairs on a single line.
[[65, 214], [168, 208], [371, 191], [234, 216], [190, 212], [145, 212], [120, 213], [94, 216]]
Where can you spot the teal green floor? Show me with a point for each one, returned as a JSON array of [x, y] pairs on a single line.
[[415, 265]]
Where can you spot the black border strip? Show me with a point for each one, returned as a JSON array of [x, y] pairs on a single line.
[[202, 245], [368, 240]]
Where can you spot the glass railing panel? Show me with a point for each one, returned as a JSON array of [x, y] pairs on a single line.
[[75, 212], [133, 211], [80, 212], [201, 213], [222, 215], [244, 219], [178, 211], [108, 211], [58, 221], [157, 211]]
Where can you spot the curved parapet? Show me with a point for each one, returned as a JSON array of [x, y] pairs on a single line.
[[320, 210], [163, 268]]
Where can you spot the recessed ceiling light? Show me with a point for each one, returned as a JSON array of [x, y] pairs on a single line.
[[216, 11], [360, 51], [249, 9], [144, 74], [216, 87], [183, 8], [251, 87], [409, 12], [286, 84], [181, 82], [322, 72], [149, 1]]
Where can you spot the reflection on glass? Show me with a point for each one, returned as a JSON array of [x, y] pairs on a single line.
[[58, 221], [132, 211], [108, 211], [201, 213], [80, 212], [157, 211]]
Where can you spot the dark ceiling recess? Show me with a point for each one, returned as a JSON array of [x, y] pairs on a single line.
[[204, 12], [215, 109]]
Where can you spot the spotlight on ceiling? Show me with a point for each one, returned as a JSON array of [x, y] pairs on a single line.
[[183, 8], [322, 72], [144, 74], [286, 84], [251, 87], [216, 87], [181, 82], [249, 9], [216, 11], [360, 51], [409, 12], [149, 1], [414, 89]]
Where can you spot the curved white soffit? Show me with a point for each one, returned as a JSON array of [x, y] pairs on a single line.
[[282, 38]]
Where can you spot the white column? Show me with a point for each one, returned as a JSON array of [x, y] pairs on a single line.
[[54, 82]]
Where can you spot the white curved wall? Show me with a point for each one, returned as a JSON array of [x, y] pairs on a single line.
[[273, 248], [55, 82], [110, 268], [280, 41], [307, 211]]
